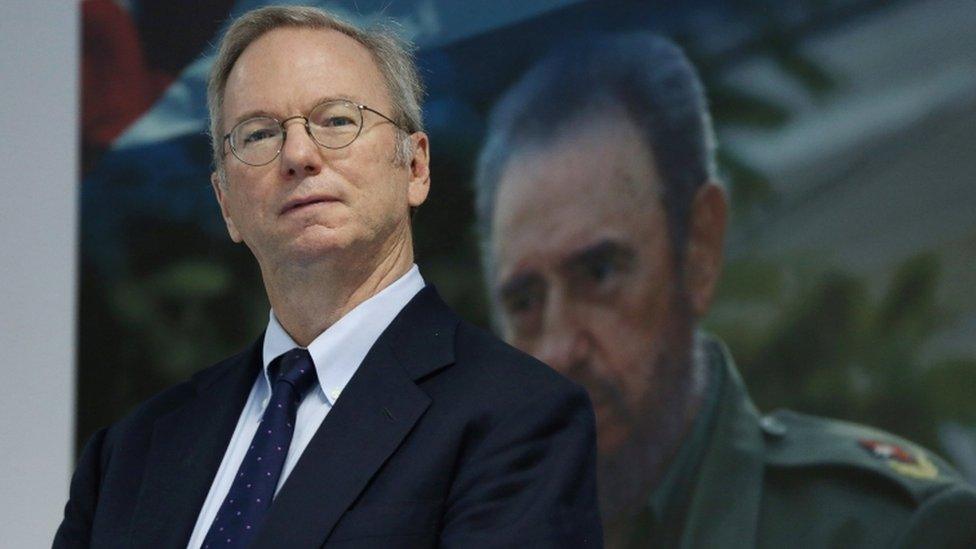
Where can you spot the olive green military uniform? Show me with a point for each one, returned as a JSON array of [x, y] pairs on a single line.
[[790, 480]]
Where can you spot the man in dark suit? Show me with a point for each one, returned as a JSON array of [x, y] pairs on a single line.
[[368, 414]]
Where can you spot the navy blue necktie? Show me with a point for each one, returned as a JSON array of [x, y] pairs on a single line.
[[250, 495]]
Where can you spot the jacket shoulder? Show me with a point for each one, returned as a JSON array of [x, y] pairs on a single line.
[[487, 380], [804, 442], [483, 352]]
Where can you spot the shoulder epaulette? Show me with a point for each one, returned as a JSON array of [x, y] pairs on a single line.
[[800, 440]]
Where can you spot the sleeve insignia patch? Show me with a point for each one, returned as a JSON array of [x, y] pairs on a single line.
[[904, 462]]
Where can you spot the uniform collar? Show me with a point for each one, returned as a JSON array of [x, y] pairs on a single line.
[[724, 509], [338, 351], [670, 500]]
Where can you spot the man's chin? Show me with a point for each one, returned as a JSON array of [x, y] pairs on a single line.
[[316, 243]]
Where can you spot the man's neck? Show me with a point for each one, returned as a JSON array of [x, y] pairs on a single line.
[[307, 299]]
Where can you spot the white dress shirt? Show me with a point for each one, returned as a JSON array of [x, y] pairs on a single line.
[[336, 353]]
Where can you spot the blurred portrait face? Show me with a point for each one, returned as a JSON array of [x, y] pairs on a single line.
[[584, 278], [313, 202]]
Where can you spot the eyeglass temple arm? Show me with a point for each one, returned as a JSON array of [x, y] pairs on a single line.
[[383, 116]]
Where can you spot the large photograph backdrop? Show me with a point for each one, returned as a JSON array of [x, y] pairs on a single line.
[[845, 140]]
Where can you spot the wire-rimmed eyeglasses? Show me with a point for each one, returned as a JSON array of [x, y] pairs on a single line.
[[332, 124]]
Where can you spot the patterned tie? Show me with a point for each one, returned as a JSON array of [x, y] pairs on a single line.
[[250, 495]]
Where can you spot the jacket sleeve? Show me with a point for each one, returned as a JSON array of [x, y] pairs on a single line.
[[79, 512], [531, 481]]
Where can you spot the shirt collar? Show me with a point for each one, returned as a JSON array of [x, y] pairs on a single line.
[[338, 351]]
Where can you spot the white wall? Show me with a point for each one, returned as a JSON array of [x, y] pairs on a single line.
[[39, 54]]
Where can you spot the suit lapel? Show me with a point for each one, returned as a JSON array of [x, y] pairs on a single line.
[[377, 409], [186, 449]]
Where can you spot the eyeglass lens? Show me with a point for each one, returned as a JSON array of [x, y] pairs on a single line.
[[333, 124]]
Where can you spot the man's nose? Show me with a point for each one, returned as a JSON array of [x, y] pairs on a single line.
[[300, 154], [565, 347]]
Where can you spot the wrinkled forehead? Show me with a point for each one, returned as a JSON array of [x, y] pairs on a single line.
[[596, 179], [583, 154], [288, 70]]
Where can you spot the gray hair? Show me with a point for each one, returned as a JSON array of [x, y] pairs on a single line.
[[393, 56], [654, 83]]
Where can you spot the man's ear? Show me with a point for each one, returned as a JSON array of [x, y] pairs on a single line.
[[215, 182], [419, 185], [706, 243]]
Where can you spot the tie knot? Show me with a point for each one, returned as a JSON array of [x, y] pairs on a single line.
[[297, 369]]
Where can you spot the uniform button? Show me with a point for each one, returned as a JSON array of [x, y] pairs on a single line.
[[772, 426], [334, 395], [264, 402]]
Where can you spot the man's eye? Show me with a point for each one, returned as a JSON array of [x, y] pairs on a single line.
[[259, 135], [519, 304], [337, 122], [601, 272], [522, 302], [522, 313], [600, 269]]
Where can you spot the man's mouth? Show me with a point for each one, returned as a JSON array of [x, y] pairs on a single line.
[[299, 203]]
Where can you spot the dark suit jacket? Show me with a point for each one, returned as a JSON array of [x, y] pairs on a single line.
[[444, 436]]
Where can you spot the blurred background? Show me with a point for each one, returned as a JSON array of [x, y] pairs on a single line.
[[846, 139]]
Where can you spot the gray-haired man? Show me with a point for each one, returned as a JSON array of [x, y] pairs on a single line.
[[368, 414]]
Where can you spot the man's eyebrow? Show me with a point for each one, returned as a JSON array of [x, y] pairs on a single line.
[[252, 114], [255, 113], [519, 283], [599, 251]]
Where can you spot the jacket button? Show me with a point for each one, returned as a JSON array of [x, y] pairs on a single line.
[[772, 426]]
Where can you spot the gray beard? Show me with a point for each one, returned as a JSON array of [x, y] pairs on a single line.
[[627, 477]]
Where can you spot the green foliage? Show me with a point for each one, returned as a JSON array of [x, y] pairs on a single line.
[[732, 106], [824, 341], [164, 316], [826, 346]]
